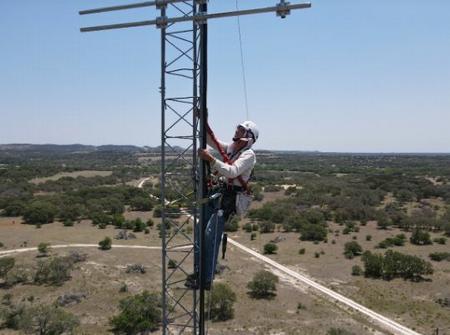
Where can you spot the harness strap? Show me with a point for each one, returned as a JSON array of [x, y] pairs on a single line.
[[225, 157]]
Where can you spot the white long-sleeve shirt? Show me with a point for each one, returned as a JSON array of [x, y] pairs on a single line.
[[242, 166]]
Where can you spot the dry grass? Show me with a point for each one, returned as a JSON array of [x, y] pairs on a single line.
[[412, 304], [75, 174], [104, 273]]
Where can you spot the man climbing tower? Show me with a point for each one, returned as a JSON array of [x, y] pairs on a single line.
[[238, 169], [235, 171]]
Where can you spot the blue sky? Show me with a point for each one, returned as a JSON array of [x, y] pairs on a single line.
[[350, 75]]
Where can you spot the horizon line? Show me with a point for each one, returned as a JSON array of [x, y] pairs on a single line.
[[262, 149]]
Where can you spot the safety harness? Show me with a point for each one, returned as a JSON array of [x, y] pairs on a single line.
[[226, 159]]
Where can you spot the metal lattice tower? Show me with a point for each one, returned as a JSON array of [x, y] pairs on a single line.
[[183, 28]]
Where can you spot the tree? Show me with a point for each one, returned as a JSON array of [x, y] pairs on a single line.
[[101, 219], [313, 232], [373, 264], [221, 301], [40, 212], [47, 320], [6, 264], [114, 206], [263, 285], [395, 264], [405, 266], [352, 249], [105, 244], [270, 248], [71, 212], [14, 208], [54, 271], [141, 203], [138, 314]]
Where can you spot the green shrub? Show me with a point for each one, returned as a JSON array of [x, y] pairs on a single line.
[[6, 264], [157, 211], [139, 225], [440, 240], [263, 285], [368, 237], [105, 244], [339, 331], [356, 270], [68, 223], [420, 237], [270, 248], [232, 225], [302, 251], [247, 227], [150, 223], [138, 314], [43, 248], [172, 264], [221, 302], [398, 240], [300, 306], [440, 256], [252, 236], [266, 227], [123, 288], [352, 249]]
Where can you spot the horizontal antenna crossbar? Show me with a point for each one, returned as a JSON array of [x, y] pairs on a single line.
[[162, 21], [130, 6]]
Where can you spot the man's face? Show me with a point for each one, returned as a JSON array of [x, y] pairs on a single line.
[[240, 132]]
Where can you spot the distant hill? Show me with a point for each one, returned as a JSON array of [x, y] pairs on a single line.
[[76, 148], [55, 148]]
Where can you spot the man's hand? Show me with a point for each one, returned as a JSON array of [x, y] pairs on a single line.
[[205, 155]]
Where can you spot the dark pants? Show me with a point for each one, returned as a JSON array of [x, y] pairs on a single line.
[[217, 213]]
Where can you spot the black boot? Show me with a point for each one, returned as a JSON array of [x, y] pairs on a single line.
[[192, 281]]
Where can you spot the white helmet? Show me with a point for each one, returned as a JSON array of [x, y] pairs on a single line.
[[252, 129]]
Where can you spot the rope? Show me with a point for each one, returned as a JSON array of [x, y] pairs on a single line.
[[244, 80]]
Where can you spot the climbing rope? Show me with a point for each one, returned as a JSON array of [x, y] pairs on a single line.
[[244, 80]]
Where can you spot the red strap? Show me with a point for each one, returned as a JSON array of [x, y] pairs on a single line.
[[225, 157]]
